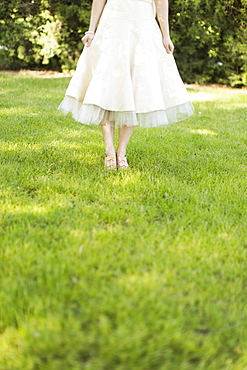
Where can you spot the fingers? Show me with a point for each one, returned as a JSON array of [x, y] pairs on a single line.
[[172, 48], [89, 43], [169, 48], [87, 40]]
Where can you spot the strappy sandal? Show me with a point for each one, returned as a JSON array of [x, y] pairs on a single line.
[[122, 163], [110, 163]]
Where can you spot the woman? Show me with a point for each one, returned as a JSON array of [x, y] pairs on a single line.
[[126, 75]]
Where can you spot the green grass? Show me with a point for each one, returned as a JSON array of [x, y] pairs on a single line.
[[136, 270]]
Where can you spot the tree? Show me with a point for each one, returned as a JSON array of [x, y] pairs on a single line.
[[34, 34], [210, 36]]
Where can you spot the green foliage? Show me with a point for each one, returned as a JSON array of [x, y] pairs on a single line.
[[30, 33], [141, 270], [42, 33], [210, 36]]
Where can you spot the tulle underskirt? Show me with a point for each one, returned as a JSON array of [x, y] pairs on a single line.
[[90, 114]]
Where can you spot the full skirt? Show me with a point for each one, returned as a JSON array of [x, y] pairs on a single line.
[[126, 76]]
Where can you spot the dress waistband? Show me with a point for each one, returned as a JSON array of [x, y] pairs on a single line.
[[146, 1]]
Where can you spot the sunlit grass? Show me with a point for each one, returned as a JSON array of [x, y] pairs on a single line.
[[143, 269]]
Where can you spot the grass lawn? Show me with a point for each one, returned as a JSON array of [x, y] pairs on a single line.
[[137, 270]]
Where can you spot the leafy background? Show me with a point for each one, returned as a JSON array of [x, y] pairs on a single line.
[[210, 37]]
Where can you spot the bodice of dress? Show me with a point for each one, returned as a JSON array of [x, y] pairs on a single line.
[[146, 1]]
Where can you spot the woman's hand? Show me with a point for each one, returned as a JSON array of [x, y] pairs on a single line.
[[87, 39], [167, 42]]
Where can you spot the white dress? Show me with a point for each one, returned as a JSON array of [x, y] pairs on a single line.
[[126, 76]]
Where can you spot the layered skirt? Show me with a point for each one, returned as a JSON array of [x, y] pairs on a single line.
[[126, 76]]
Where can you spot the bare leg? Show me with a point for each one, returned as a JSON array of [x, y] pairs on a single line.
[[125, 133], [108, 135]]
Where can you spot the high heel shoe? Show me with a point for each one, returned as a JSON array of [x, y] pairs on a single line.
[[110, 163], [122, 163]]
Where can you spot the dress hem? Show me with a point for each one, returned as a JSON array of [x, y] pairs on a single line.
[[90, 114]]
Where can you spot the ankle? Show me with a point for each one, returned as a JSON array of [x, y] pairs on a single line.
[[110, 152], [121, 154]]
